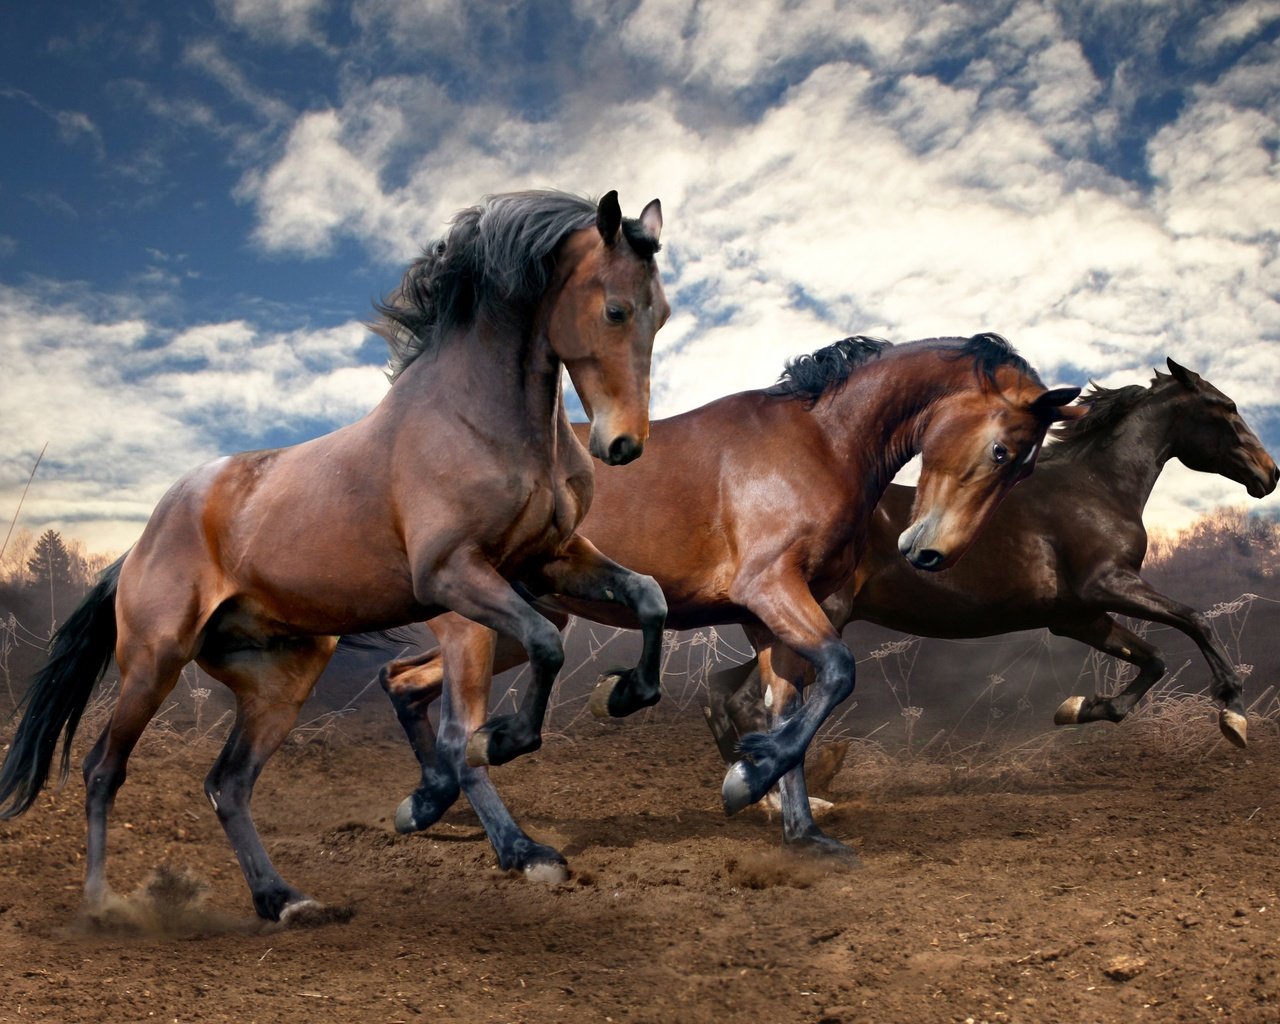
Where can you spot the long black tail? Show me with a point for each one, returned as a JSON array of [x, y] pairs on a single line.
[[55, 700]]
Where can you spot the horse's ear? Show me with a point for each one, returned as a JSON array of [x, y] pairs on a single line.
[[609, 218], [1055, 405], [651, 219], [1187, 378]]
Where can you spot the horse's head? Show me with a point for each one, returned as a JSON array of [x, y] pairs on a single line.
[[1211, 436], [603, 320], [980, 441]]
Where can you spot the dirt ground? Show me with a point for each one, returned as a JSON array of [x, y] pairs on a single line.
[[1098, 874]]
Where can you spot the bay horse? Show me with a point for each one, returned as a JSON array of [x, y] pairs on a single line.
[[751, 510], [1042, 562], [463, 478]]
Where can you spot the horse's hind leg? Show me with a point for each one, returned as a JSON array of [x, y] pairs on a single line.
[[414, 684], [733, 706], [1128, 594], [468, 671], [270, 685], [146, 678], [1107, 635]]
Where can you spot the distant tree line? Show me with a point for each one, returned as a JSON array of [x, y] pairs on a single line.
[[43, 577], [1222, 554]]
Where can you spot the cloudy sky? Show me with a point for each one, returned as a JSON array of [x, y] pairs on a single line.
[[199, 201]]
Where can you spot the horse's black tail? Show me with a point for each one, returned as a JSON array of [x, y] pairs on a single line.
[[79, 655]]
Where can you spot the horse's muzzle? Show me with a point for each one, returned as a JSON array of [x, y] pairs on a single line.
[[917, 553], [622, 449], [1264, 483]]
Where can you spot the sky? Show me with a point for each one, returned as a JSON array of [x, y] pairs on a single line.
[[199, 202]]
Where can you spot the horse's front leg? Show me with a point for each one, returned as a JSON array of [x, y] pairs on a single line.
[[781, 600], [782, 679], [1128, 594], [582, 572], [470, 586]]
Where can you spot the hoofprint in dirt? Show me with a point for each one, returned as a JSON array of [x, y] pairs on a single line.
[[1113, 874]]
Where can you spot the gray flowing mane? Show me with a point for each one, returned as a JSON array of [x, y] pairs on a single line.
[[496, 259]]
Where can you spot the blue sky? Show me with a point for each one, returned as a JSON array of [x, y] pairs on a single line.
[[199, 201]]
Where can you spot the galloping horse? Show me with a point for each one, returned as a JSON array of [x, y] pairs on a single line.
[[1067, 566], [465, 476], [751, 510]]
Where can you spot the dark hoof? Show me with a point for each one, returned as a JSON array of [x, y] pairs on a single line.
[[1069, 711], [817, 843], [1234, 726]]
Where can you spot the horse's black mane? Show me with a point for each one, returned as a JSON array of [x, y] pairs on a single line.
[[810, 377], [1107, 407], [990, 351], [497, 254]]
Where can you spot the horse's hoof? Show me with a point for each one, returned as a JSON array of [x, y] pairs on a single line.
[[477, 752], [309, 913], [736, 790], [547, 872], [1234, 726], [598, 705], [405, 821], [823, 846], [1068, 712]]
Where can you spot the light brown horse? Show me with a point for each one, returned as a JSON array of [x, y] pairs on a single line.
[[1048, 563], [463, 478], [751, 510]]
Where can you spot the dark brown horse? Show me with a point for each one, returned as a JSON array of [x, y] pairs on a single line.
[[1043, 562], [751, 510], [463, 478]]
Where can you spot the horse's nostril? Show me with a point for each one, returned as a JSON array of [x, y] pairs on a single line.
[[928, 559], [624, 449]]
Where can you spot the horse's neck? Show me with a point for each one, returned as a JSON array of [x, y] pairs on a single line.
[[503, 382], [1135, 453], [877, 421]]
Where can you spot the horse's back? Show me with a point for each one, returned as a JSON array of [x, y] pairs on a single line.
[[715, 490]]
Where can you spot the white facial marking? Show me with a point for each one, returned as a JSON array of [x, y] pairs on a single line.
[[768, 697]]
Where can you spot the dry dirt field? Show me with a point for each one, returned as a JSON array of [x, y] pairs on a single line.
[[1118, 874]]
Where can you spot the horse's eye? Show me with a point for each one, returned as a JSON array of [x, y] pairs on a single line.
[[615, 314], [999, 453]]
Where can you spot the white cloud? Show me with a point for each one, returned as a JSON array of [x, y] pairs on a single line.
[[72, 125], [208, 57], [820, 176], [1236, 24], [127, 407], [291, 21]]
